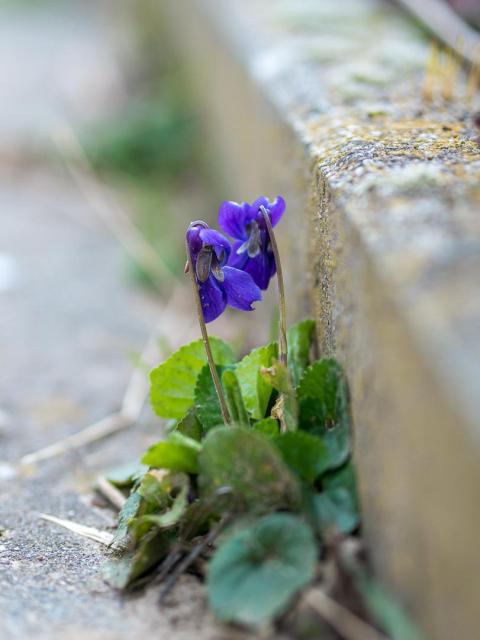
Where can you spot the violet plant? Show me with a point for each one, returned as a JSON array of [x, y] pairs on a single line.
[[258, 450]]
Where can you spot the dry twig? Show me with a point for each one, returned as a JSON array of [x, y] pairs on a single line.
[[103, 537], [343, 621], [111, 493]]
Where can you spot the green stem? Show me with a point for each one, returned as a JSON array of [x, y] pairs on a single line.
[[282, 320], [206, 342]]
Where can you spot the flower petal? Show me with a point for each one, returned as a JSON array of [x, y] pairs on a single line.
[[217, 240], [275, 208], [237, 260], [240, 289], [260, 269], [232, 218], [194, 241], [213, 299]]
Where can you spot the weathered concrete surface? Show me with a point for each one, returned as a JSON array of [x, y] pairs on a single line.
[[66, 354], [322, 101], [69, 327]]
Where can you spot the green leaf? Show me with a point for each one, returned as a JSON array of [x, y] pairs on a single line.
[[173, 382], [126, 475], [285, 408], [385, 611], [324, 410], [207, 406], [121, 573], [336, 510], [337, 506], [254, 574], [268, 427], [247, 469], [299, 338], [233, 396], [172, 516], [153, 491], [190, 425], [122, 538], [178, 453], [164, 502], [344, 478], [305, 454], [256, 391]]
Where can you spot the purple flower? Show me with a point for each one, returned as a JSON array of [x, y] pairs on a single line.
[[251, 250], [218, 284]]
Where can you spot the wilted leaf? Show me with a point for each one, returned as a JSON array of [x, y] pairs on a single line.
[[129, 510], [173, 382], [164, 501], [305, 454], [233, 396], [299, 338], [249, 466], [254, 574], [170, 516], [277, 376], [121, 573], [256, 391], [324, 411], [178, 453]]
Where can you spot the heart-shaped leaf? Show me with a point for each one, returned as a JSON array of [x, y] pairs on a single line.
[[173, 382], [247, 468], [255, 573]]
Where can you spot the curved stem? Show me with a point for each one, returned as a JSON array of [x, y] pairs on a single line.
[[282, 320], [203, 328]]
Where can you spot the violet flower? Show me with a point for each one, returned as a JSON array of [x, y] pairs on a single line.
[[218, 284], [251, 250]]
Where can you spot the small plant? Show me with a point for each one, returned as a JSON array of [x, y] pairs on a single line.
[[255, 475]]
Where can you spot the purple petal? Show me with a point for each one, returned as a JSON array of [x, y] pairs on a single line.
[[217, 240], [193, 239], [237, 260], [232, 218], [240, 289], [212, 298], [260, 269], [275, 208]]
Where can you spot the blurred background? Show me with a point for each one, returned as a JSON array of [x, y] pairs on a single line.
[[104, 161]]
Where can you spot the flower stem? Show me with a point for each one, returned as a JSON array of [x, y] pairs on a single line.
[[282, 320], [203, 328]]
